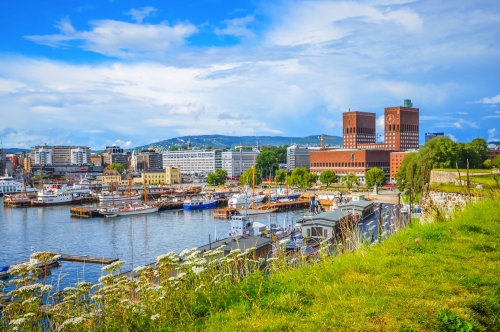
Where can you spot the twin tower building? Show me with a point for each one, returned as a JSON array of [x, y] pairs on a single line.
[[360, 150]]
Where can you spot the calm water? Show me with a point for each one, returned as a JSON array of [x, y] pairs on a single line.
[[135, 239]]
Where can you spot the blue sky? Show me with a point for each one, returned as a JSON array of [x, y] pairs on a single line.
[[134, 72]]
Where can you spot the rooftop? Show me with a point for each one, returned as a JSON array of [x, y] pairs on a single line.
[[242, 243]]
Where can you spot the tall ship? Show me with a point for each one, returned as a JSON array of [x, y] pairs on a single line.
[[245, 198], [129, 209], [56, 194]]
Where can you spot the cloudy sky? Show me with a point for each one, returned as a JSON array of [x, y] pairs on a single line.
[[135, 72]]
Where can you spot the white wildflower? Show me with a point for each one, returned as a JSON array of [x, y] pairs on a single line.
[[272, 259], [29, 314], [17, 322], [155, 316], [83, 284], [198, 270], [181, 275], [139, 269], [46, 288]]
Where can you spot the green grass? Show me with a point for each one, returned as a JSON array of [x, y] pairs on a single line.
[[454, 188], [463, 171], [487, 179], [451, 277], [406, 198]]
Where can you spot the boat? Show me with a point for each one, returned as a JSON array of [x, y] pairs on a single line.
[[201, 203], [10, 186], [82, 187], [106, 196], [260, 210], [56, 194], [128, 209], [245, 198], [6, 269], [293, 194]]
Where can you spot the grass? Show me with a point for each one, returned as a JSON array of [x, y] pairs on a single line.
[[451, 275], [463, 171], [437, 276], [487, 179], [455, 188]]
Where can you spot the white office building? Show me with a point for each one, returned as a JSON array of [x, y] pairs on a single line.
[[43, 156], [235, 163], [297, 157], [79, 156], [195, 161]]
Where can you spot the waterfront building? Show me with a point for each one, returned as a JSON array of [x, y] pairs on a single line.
[[146, 160], [60, 155], [111, 176], [343, 161], [429, 136], [358, 128], [169, 176], [96, 159], [324, 225], [195, 161], [396, 160], [297, 157], [114, 155], [3, 158], [236, 162]]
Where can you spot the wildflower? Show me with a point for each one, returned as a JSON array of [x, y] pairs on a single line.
[[70, 289], [417, 240], [198, 270], [155, 316], [272, 259], [199, 287], [139, 269], [181, 275], [29, 314], [17, 322], [83, 284], [72, 321]]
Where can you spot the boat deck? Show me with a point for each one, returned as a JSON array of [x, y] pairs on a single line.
[[87, 259]]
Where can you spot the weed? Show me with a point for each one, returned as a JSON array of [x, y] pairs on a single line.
[[452, 322]]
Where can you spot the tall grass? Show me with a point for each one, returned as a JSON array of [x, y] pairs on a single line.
[[403, 284]]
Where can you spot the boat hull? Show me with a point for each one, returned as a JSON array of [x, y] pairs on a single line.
[[118, 198], [49, 203], [200, 206], [251, 212], [113, 213]]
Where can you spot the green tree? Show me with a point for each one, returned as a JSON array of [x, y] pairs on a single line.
[[496, 162], [302, 177], [217, 178], [280, 176], [476, 152], [488, 164], [328, 177], [405, 170], [374, 175], [246, 178], [116, 166], [267, 160], [350, 179], [173, 148], [310, 179]]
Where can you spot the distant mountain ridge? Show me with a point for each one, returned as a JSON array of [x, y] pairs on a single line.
[[222, 141]]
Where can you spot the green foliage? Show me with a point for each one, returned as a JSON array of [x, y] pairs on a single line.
[[280, 176], [248, 177], [173, 148], [349, 180], [327, 177], [266, 160], [302, 177], [117, 167], [279, 152], [488, 163], [374, 175], [453, 322], [496, 162], [217, 178]]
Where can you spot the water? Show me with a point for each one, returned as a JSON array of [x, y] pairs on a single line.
[[137, 240]]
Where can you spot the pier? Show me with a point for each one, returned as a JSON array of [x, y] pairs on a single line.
[[87, 259], [170, 205], [225, 213], [84, 212]]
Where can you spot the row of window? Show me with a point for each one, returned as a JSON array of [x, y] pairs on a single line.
[[352, 164]]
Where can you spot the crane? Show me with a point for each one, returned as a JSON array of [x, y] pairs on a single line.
[[322, 139]]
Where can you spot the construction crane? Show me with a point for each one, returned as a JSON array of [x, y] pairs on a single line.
[[322, 139]]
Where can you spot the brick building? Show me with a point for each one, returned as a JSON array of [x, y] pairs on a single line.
[[396, 160], [343, 161], [358, 128]]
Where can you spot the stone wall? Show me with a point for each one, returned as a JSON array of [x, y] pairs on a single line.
[[444, 203]]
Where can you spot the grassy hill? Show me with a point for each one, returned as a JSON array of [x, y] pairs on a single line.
[[222, 141]]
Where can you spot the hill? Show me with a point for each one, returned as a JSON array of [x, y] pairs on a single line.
[[222, 141]]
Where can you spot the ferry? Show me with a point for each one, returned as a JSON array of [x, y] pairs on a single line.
[[56, 194], [10, 186]]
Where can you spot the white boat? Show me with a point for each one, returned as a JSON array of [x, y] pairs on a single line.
[[56, 194], [6, 269], [245, 198], [10, 186], [128, 209], [106, 196], [252, 212], [82, 187]]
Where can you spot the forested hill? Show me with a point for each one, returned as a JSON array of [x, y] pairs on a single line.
[[222, 141]]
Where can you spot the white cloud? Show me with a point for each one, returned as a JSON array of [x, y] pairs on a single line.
[[140, 14], [492, 100], [492, 135], [193, 110], [120, 39], [327, 123], [236, 27], [463, 113], [380, 125]]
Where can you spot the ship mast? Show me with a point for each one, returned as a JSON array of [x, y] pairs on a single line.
[[145, 192], [253, 182]]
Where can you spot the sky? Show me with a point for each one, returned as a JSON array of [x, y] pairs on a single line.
[[130, 73]]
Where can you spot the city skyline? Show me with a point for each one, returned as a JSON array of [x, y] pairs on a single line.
[[104, 73]]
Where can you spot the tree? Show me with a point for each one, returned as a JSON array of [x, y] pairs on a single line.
[[217, 178], [116, 166], [246, 178], [173, 148], [328, 177], [374, 176], [267, 160], [280, 176], [496, 162], [302, 177], [488, 164], [350, 179], [310, 179]]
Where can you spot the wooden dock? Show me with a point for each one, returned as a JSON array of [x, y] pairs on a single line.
[[225, 213], [84, 213], [90, 199], [17, 202], [87, 259]]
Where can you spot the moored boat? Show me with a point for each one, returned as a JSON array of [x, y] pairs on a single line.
[[203, 203], [106, 196], [129, 209], [56, 194]]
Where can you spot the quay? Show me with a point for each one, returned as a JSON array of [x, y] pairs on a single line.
[[278, 207], [87, 259], [170, 205], [17, 202], [84, 213]]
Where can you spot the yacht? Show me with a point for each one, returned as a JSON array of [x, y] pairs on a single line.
[[56, 194], [245, 198], [82, 187], [129, 209], [106, 196], [10, 186]]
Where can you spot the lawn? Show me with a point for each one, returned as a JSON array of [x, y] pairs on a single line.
[[491, 180]]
